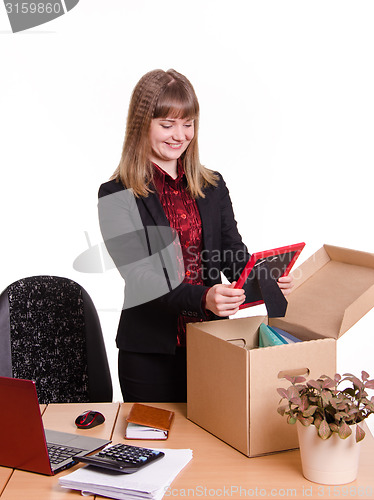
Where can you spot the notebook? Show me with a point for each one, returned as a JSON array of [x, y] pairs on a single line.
[[148, 422], [23, 440]]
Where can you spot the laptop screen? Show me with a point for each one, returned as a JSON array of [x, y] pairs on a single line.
[[22, 438]]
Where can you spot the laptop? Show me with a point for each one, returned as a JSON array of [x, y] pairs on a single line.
[[24, 443]]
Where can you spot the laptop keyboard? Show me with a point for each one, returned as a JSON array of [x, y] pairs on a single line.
[[58, 453]]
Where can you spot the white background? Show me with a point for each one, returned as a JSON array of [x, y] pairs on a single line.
[[287, 107]]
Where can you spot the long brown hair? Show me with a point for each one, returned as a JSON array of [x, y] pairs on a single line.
[[160, 94]]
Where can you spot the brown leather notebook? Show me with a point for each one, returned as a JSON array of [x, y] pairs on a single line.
[[148, 422]]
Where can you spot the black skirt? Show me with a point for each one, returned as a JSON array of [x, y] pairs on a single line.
[[150, 377]]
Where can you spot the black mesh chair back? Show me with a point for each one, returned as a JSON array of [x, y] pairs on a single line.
[[50, 333]]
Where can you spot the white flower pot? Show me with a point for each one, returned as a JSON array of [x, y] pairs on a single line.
[[330, 461]]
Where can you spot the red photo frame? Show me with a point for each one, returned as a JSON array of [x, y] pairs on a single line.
[[279, 262]]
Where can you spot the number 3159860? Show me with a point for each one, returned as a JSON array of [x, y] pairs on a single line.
[[33, 8]]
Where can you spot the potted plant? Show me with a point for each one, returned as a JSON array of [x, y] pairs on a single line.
[[328, 413]]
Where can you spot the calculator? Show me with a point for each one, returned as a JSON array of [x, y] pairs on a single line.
[[122, 458]]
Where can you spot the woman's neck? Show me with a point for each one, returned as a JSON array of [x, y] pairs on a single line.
[[170, 167]]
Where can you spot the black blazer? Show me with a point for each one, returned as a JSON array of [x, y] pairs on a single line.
[[152, 326]]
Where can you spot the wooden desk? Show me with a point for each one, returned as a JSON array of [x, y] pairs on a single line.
[[216, 470]]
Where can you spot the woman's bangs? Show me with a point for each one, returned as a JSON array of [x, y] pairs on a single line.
[[176, 103]]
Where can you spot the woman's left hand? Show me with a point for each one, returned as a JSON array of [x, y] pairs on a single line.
[[286, 284]]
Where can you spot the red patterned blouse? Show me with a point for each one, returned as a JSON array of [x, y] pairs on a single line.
[[183, 215]]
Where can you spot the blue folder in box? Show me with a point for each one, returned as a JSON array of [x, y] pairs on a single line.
[[290, 339], [268, 338]]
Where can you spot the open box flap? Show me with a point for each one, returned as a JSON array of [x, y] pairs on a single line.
[[309, 267], [355, 257], [334, 289], [357, 310]]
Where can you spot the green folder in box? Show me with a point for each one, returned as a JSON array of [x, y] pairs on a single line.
[[268, 337]]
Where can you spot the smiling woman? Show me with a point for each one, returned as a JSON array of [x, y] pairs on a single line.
[[169, 139], [171, 190], [162, 99]]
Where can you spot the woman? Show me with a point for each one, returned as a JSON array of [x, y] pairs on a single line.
[[160, 189]]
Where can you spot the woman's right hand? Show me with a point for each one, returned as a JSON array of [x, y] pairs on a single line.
[[224, 300]]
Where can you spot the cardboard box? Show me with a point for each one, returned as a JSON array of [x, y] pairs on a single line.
[[232, 388]]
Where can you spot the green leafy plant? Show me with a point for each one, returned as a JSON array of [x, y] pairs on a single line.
[[326, 405]]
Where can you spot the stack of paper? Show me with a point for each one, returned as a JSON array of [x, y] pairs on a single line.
[[150, 482], [137, 431]]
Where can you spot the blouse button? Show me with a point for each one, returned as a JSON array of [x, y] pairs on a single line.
[[183, 216], [176, 192]]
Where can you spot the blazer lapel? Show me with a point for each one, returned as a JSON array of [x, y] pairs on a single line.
[[203, 205], [151, 208]]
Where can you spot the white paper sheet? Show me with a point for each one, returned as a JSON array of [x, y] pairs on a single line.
[[149, 482]]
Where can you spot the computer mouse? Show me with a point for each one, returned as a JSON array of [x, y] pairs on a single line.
[[89, 419]]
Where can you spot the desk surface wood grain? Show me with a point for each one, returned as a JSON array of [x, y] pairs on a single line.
[[216, 471]]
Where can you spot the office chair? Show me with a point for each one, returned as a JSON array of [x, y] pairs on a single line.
[[50, 333]]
